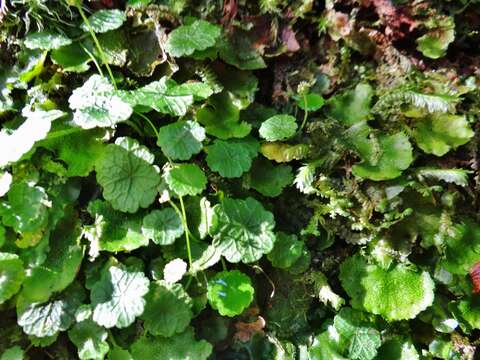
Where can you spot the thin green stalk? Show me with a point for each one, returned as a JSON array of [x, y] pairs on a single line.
[[92, 57], [148, 121], [187, 232], [224, 266], [97, 44], [305, 115]]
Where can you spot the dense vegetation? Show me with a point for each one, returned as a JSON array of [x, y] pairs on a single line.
[[196, 179]]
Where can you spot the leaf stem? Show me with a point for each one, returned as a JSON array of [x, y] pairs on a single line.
[[187, 232], [305, 115], [148, 121], [97, 43]]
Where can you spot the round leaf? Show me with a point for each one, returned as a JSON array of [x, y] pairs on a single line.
[[105, 20], [181, 140], [90, 340], [229, 159], [242, 229], [11, 275], [163, 226], [186, 179], [230, 292], [286, 252], [46, 40], [186, 39], [127, 176], [278, 127]]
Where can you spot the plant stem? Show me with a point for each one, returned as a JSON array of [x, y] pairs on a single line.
[[97, 44], [148, 121], [187, 232], [305, 115]]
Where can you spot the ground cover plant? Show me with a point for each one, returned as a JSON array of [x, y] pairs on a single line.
[[272, 179]]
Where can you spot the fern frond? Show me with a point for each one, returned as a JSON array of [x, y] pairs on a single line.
[[209, 77], [429, 103], [305, 177], [456, 176]]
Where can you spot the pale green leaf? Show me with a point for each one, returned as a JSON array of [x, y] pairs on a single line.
[[242, 229], [105, 20], [118, 297], [186, 179], [186, 39], [12, 275], [46, 40], [278, 127], [97, 104]]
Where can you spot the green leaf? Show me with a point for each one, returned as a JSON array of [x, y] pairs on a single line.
[[179, 347], [97, 104], [434, 43], [462, 248], [79, 150], [27, 208], [229, 159], [126, 173], [21, 140], [118, 297], [13, 353], [278, 127], [438, 134], [90, 340], [114, 46], [113, 230], [105, 20], [61, 265], [325, 348], [281, 152], [221, 117], [168, 310], [162, 226], [268, 179], [311, 102], [237, 49], [72, 58], [242, 229], [181, 140], [455, 176], [46, 40], [186, 179], [395, 349], [47, 319], [352, 106], [164, 96], [230, 292], [396, 294], [186, 39], [12, 274], [383, 158], [286, 251]]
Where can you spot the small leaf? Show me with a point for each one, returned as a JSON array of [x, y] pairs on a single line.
[[181, 140], [229, 159], [46, 40], [438, 134], [230, 292], [126, 173], [12, 275], [168, 310], [352, 106], [186, 179], [97, 104], [105, 20], [268, 179], [242, 230], [278, 127], [90, 340], [456, 176], [162, 226], [286, 252], [434, 43], [281, 152], [13, 353], [311, 102], [72, 58], [186, 39], [118, 297], [396, 294]]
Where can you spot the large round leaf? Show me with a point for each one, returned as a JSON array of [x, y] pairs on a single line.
[[126, 173], [181, 140], [186, 179], [242, 229], [162, 226]]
